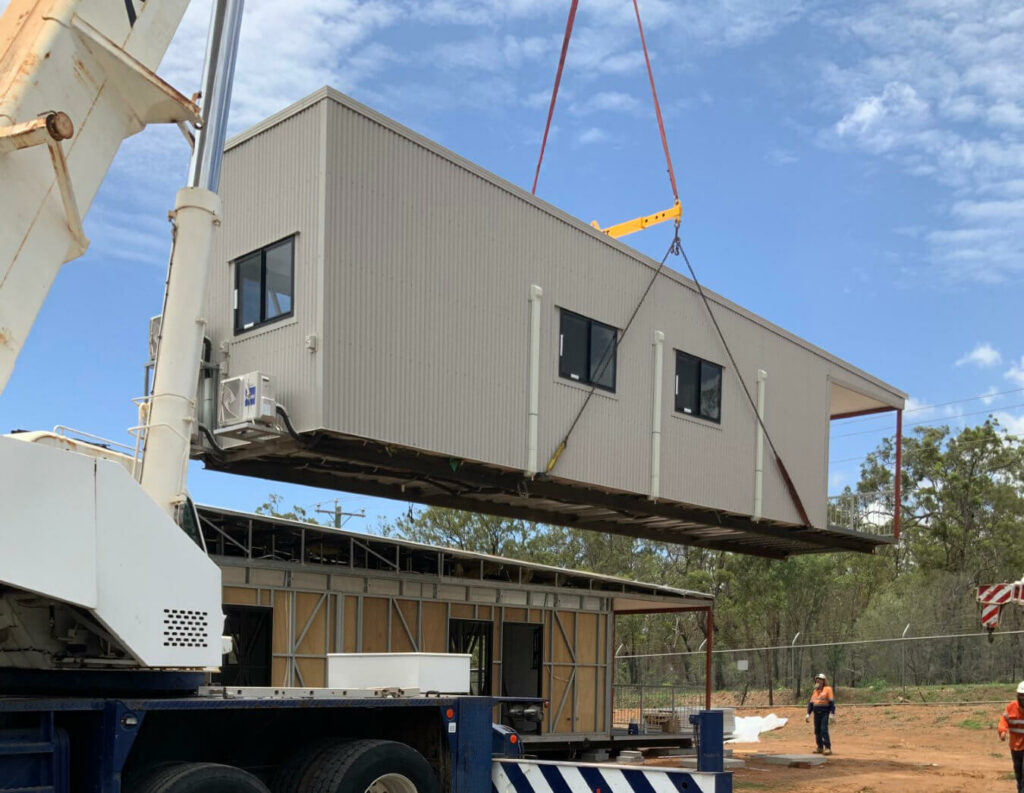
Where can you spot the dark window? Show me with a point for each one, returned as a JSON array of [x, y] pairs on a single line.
[[698, 387], [474, 637], [587, 351], [248, 663], [264, 285]]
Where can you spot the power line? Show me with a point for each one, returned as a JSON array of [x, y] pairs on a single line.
[[960, 445], [959, 624], [826, 644], [992, 395], [931, 421]]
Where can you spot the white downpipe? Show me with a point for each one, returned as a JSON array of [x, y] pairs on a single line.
[[659, 365], [534, 409], [762, 376], [172, 406]]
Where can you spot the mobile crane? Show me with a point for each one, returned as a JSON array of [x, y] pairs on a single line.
[[110, 615]]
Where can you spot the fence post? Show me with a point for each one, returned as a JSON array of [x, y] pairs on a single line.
[[707, 665], [792, 661], [903, 661], [643, 721]]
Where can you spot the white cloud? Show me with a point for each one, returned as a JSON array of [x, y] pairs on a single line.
[[781, 157], [1013, 424], [983, 354], [488, 53], [915, 405], [1016, 372], [287, 50], [592, 135], [886, 121], [989, 396], [989, 210], [606, 101], [936, 90]]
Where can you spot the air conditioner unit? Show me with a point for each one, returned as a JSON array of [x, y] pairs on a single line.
[[246, 399]]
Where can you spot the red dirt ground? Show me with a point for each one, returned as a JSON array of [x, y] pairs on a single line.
[[903, 748]]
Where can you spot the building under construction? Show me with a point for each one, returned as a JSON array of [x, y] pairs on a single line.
[[437, 334], [294, 592]]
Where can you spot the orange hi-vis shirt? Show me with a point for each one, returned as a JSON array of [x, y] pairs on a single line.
[[1013, 722], [823, 698]]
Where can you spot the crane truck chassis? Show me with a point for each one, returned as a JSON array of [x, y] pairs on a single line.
[[293, 740], [109, 611]]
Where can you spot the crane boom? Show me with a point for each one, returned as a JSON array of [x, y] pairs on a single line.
[[115, 581], [93, 62]]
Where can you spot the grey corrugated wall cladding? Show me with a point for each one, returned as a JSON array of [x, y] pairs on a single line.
[[410, 353], [421, 265], [290, 158]]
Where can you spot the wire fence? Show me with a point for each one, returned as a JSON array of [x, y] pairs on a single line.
[[651, 708], [891, 667]]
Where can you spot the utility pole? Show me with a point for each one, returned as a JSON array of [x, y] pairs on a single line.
[[338, 514]]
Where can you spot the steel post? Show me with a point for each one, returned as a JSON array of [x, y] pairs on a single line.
[[903, 661], [643, 722], [898, 483], [707, 662]]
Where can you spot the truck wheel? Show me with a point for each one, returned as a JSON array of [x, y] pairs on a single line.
[[365, 766], [195, 778]]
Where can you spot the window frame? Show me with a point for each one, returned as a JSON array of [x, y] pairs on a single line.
[[700, 364], [262, 251], [588, 378]]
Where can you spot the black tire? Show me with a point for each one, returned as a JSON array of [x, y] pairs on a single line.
[[351, 767], [290, 776], [195, 778]]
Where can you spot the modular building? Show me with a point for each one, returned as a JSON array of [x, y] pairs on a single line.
[[294, 592], [437, 334]]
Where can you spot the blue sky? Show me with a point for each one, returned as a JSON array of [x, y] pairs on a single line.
[[851, 171]]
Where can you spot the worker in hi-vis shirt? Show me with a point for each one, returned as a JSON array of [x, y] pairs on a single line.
[[1012, 724], [823, 707]]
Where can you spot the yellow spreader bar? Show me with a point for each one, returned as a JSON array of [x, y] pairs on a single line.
[[638, 224]]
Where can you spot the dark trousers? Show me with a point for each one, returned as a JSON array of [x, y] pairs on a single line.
[[821, 730], [1018, 768]]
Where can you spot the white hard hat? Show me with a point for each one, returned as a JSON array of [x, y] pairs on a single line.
[[821, 676], [1020, 688]]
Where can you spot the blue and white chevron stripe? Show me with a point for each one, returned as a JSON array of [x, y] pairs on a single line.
[[543, 776]]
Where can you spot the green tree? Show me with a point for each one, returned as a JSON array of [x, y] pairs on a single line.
[[466, 531], [274, 507], [963, 505]]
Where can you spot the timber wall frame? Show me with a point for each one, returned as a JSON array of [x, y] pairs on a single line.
[[310, 620], [319, 608]]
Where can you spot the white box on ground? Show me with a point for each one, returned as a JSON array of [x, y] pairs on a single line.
[[445, 673]]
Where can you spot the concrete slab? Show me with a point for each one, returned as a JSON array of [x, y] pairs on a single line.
[[595, 756], [630, 756], [791, 760], [728, 763]]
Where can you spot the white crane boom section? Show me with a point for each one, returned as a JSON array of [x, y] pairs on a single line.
[[93, 61], [119, 574]]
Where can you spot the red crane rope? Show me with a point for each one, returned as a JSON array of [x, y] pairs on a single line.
[[654, 94], [554, 92], [657, 106]]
